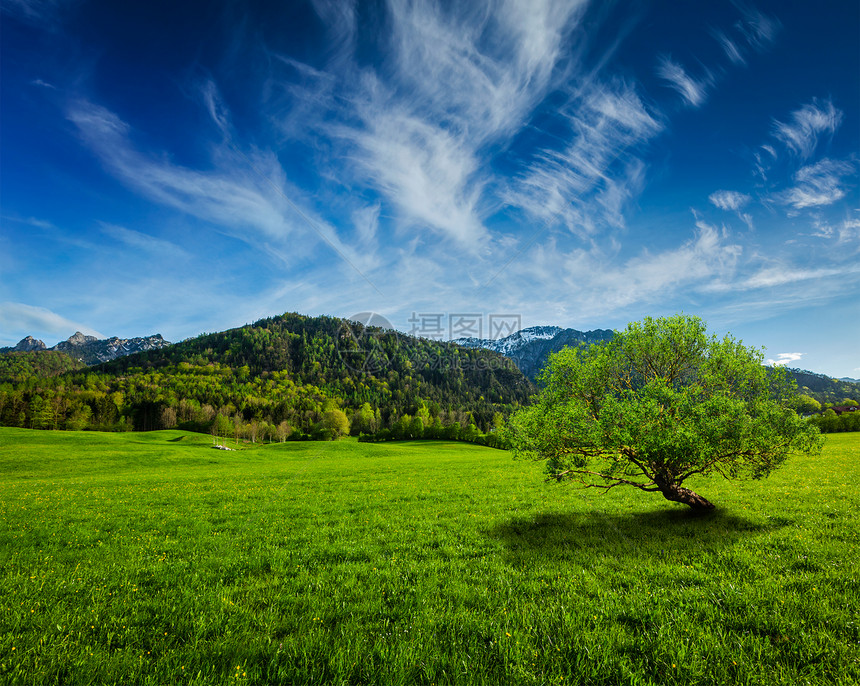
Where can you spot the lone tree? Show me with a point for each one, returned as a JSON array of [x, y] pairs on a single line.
[[660, 402]]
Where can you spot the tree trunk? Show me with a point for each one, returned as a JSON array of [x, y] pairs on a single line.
[[678, 494]]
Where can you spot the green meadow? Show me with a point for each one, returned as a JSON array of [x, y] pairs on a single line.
[[151, 558]]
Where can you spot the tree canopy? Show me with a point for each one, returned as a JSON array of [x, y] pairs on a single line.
[[659, 403], [292, 369]]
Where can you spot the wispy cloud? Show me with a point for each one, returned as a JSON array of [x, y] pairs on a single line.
[[142, 241], [424, 170], [693, 91], [759, 29], [215, 106], [642, 279], [480, 70], [817, 184], [459, 82], [729, 200], [30, 221], [754, 31], [596, 284], [730, 47], [43, 84], [846, 233], [45, 13], [801, 133], [849, 232], [231, 198], [41, 321], [781, 275], [598, 169], [246, 191]]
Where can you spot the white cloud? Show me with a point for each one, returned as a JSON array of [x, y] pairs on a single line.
[[43, 84], [729, 200], [598, 169], [142, 241], [480, 70], [692, 91], [215, 106], [366, 222], [592, 284], [800, 135], [849, 231], [461, 79], [817, 185], [30, 221], [340, 19], [246, 191], [759, 29], [784, 359], [458, 83], [781, 275], [231, 197], [424, 170], [40, 322], [845, 232], [692, 264], [730, 47], [763, 163]]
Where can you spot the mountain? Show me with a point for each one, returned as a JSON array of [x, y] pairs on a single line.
[[825, 389], [91, 350], [530, 348], [849, 379], [27, 345], [290, 370]]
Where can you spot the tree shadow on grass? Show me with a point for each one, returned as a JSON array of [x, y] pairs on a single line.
[[635, 534]]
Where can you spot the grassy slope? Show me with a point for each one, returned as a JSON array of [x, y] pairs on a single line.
[[151, 558]]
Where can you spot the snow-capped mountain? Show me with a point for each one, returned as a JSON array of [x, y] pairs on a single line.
[[511, 343], [530, 348], [91, 350]]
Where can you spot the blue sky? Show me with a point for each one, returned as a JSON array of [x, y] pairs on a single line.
[[190, 166]]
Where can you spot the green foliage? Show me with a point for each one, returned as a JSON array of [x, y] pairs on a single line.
[[829, 422], [154, 559], [823, 388], [659, 403], [807, 405], [335, 422], [18, 366], [283, 369]]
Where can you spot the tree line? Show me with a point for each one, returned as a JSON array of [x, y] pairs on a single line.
[[289, 377]]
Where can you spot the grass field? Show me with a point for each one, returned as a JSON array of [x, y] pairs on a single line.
[[154, 559]]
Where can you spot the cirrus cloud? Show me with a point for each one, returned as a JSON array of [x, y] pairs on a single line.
[[729, 200]]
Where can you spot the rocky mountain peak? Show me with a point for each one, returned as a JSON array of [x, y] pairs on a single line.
[[30, 343], [91, 350], [530, 348], [80, 339]]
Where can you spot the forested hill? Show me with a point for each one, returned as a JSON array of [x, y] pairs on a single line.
[[18, 366], [292, 372], [825, 389]]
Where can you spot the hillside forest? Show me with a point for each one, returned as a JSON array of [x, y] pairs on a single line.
[[287, 377]]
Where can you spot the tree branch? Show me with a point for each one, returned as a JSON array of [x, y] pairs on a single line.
[[616, 480]]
